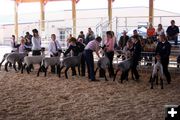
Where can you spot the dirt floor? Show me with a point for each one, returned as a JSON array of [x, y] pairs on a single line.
[[27, 97]]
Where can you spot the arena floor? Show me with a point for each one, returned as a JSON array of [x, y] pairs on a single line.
[[27, 97]]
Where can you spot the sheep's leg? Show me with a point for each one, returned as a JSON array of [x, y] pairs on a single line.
[[60, 70], [28, 69], [105, 74], [161, 83], [14, 66], [20, 65], [79, 70], [2, 62], [45, 71], [39, 70], [6, 65], [115, 75], [152, 80], [66, 72], [23, 67], [96, 71], [157, 79]]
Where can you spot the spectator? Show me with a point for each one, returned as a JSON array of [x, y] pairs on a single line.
[[54, 48], [164, 49], [159, 30], [14, 44], [172, 32], [28, 36], [151, 32], [135, 34], [90, 36], [123, 40], [91, 47], [36, 43], [136, 56], [81, 35], [109, 51]]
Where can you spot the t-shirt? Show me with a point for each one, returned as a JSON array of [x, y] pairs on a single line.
[[172, 31], [150, 32]]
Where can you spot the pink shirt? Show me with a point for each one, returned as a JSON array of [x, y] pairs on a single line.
[[110, 44]]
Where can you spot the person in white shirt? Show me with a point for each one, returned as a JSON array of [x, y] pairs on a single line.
[[36, 43], [14, 45], [54, 48]]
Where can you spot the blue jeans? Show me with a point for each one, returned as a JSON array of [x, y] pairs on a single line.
[[90, 63]]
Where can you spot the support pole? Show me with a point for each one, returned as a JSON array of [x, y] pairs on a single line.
[[74, 17], [42, 16], [110, 13], [16, 19], [151, 11]]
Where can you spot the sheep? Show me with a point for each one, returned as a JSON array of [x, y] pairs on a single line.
[[154, 77], [46, 62], [13, 58], [102, 64], [124, 67], [4, 58], [30, 60], [70, 62]]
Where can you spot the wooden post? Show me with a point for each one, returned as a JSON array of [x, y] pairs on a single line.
[[110, 13], [151, 11], [16, 19], [74, 17], [42, 17]]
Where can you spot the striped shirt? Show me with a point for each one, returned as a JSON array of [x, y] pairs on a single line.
[[93, 45]]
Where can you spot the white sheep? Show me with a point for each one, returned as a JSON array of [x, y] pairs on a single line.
[[68, 62], [32, 60], [48, 61], [157, 67], [14, 58]]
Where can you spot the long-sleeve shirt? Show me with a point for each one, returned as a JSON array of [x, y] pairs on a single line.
[[164, 50], [54, 46], [13, 45], [22, 48], [36, 43], [93, 45]]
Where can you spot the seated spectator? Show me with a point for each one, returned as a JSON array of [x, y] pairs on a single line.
[[123, 40], [89, 36], [151, 32], [81, 35], [149, 47], [172, 32], [159, 30], [28, 36]]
